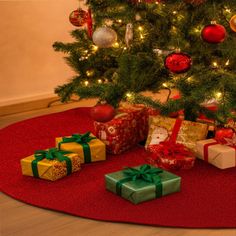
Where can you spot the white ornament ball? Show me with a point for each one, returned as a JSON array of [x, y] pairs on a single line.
[[104, 37]]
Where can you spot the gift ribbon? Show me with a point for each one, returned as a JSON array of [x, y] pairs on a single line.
[[51, 154], [172, 149], [145, 173], [83, 140], [175, 131]]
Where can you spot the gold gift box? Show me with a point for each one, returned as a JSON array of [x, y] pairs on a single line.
[[50, 169], [97, 149], [160, 129]]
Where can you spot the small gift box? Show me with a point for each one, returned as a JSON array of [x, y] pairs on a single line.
[[87, 146], [142, 183], [221, 156], [184, 132], [139, 115], [51, 164], [119, 134]]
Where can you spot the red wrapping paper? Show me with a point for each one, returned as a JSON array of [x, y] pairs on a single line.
[[121, 133]]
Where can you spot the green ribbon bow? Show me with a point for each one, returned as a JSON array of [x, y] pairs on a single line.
[[51, 154], [145, 173], [82, 139]]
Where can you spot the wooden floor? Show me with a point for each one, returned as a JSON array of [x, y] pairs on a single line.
[[20, 219]]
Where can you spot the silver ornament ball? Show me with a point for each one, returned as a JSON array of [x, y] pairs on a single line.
[[104, 37]]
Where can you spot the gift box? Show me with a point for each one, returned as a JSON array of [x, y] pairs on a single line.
[[140, 115], [119, 134], [185, 132], [221, 156], [142, 183], [87, 146], [51, 164]]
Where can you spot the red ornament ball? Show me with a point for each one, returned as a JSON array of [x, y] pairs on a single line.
[[178, 62], [103, 112], [78, 17], [214, 33], [223, 133]]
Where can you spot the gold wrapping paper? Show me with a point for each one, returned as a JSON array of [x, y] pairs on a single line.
[[97, 149], [160, 129], [50, 169], [219, 155]]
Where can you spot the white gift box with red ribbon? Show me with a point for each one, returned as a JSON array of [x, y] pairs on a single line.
[[221, 156]]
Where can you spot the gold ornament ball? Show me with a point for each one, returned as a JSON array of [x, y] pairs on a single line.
[[104, 37], [232, 23]]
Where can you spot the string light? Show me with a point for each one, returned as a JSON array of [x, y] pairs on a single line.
[[189, 79], [218, 95], [95, 48], [89, 72], [116, 45], [140, 28], [86, 83], [228, 10], [128, 95], [174, 12], [227, 63], [215, 64], [120, 21], [125, 48], [164, 85], [99, 81], [141, 36]]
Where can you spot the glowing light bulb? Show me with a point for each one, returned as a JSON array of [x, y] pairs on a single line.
[[125, 48], [99, 81], [189, 79], [215, 64], [128, 95], [140, 28], [218, 95], [227, 63], [228, 10], [120, 21], [141, 36], [95, 48], [164, 85], [86, 83], [116, 45], [174, 12]]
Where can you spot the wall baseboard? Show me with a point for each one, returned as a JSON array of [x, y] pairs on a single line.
[[28, 105]]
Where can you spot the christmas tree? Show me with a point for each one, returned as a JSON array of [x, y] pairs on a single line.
[[150, 45]]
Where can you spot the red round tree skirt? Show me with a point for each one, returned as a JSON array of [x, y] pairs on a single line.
[[207, 197]]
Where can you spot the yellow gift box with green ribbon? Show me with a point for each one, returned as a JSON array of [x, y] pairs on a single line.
[[51, 164], [87, 146], [142, 183]]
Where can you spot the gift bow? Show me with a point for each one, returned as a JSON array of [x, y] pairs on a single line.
[[50, 154], [77, 138], [145, 173], [82, 139], [172, 150]]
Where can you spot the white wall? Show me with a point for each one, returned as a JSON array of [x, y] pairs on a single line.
[[29, 67]]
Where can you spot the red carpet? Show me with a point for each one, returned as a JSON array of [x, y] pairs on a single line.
[[207, 197]]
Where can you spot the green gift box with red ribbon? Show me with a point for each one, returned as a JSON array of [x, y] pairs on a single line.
[[142, 183]]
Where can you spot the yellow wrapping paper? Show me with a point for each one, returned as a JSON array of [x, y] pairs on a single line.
[[160, 129], [50, 169], [97, 149]]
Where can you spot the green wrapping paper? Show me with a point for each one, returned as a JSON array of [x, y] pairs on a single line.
[[140, 190]]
